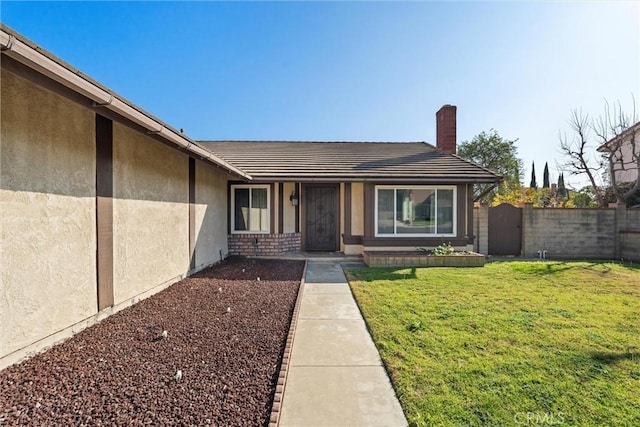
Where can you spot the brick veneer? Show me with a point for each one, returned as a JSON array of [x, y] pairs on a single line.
[[264, 244]]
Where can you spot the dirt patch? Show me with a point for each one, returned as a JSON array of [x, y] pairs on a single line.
[[226, 331]]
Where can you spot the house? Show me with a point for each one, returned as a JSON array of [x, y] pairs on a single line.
[[624, 150], [103, 204], [351, 197]]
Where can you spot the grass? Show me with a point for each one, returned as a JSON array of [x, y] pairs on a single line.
[[512, 343]]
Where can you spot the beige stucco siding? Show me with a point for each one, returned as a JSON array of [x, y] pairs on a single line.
[[357, 209], [150, 213], [341, 203], [211, 214], [289, 211], [47, 193]]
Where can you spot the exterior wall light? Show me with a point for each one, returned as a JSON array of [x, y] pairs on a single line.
[[295, 199]]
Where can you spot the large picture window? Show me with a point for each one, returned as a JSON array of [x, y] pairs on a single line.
[[250, 209], [415, 211]]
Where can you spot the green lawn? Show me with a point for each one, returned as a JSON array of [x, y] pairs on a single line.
[[512, 343]]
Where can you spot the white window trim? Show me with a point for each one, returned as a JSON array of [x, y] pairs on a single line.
[[233, 207], [415, 187]]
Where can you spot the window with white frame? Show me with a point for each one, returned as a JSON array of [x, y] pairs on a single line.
[[415, 211], [250, 208]]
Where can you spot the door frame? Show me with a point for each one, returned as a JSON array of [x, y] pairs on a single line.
[[304, 213]]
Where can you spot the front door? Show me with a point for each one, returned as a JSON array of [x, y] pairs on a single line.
[[321, 212]]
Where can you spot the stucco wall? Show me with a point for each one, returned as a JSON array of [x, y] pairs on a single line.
[[47, 192], [150, 213], [625, 166], [211, 214], [289, 211], [341, 204], [357, 209]]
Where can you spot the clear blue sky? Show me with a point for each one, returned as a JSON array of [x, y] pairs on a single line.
[[373, 71]]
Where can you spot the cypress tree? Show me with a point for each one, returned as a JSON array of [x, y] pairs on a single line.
[[562, 190], [545, 177], [533, 183]]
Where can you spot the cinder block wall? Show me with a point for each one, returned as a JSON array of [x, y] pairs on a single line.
[[481, 229], [48, 279], [629, 234], [569, 233], [610, 233]]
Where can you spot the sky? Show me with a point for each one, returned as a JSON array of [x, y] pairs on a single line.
[[353, 71]]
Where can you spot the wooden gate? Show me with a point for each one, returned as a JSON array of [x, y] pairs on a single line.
[[321, 210], [505, 230]]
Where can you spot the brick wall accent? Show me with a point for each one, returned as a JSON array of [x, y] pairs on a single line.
[[264, 244], [609, 233]]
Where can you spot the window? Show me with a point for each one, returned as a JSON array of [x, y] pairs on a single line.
[[415, 211], [249, 208]]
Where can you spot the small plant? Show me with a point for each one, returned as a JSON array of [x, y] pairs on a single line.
[[415, 326], [442, 249]]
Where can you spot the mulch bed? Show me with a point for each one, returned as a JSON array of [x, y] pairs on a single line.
[[226, 332]]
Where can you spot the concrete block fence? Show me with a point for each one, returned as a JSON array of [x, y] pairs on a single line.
[[607, 233]]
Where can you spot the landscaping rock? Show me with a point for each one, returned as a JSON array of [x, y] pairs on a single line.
[[215, 367]]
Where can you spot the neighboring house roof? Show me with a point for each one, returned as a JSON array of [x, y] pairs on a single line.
[[349, 161], [619, 138], [23, 50]]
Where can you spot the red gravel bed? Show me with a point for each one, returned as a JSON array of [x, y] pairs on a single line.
[[120, 372]]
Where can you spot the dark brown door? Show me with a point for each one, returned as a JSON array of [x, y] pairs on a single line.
[[321, 213], [505, 230]]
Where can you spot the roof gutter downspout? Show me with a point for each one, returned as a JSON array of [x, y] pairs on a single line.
[[29, 56]]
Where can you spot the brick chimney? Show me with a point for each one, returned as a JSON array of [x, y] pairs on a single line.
[[446, 129]]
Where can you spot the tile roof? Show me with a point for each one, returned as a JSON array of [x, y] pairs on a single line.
[[348, 161]]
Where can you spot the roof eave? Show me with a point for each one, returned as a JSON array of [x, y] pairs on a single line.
[[606, 147], [407, 179], [24, 51]]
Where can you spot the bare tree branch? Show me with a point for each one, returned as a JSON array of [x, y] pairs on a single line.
[[577, 152], [615, 129]]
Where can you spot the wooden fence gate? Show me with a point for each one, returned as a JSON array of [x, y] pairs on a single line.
[[505, 230]]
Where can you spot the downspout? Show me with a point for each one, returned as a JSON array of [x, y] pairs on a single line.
[[29, 56]]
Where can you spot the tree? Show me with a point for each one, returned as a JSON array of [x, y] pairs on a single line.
[[582, 158], [610, 129], [490, 150], [533, 184], [562, 190], [545, 177], [579, 153], [541, 198]]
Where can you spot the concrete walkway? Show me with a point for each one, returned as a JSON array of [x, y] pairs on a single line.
[[336, 377]]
